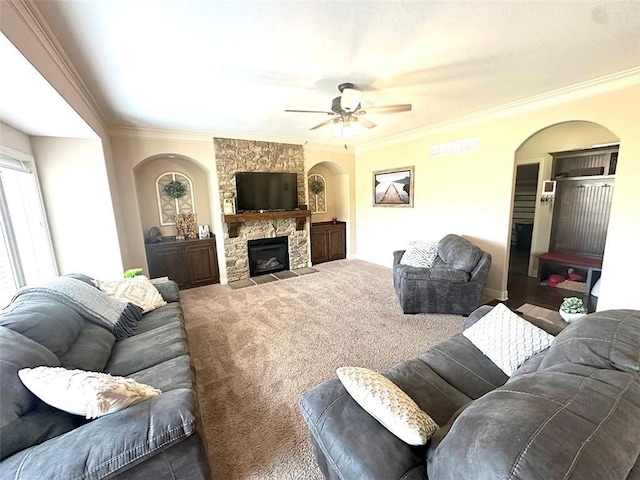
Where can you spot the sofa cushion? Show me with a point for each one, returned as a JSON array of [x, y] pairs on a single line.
[[167, 315], [387, 403], [506, 339], [608, 339], [91, 350], [44, 320], [17, 352], [459, 253], [147, 349], [427, 274], [91, 394], [170, 375], [570, 422], [464, 367]]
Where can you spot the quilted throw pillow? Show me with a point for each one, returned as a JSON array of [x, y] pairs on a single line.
[[387, 403], [137, 290], [506, 339], [420, 254], [90, 394]]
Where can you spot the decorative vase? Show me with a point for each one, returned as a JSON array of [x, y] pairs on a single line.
[[570, 317]]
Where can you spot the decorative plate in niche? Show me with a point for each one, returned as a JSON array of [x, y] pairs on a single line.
[[175, 195], [317, 193]]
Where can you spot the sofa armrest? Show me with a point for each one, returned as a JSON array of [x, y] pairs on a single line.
[[397, 256], [111, 443], [448, 275], [476, 315], [168, 289], [352, 443]]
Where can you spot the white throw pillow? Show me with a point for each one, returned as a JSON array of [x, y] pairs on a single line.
[[137, 290], [91, 394], [420, 254], [388, 404], [507, 339]]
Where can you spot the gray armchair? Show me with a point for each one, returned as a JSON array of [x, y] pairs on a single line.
[[453, 284]]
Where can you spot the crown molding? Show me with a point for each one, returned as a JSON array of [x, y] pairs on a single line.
[[329, 148], [35, 21], [193, 136], [566, 94]]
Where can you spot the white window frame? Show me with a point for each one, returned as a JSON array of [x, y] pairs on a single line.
[[15, 160]]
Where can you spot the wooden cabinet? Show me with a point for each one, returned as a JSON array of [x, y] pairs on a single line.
[[328, 241], [190, 263]]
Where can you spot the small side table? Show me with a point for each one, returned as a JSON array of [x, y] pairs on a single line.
[[551, 322]]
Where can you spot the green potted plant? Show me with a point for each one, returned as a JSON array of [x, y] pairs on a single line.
[[572, 308], [132, 272]]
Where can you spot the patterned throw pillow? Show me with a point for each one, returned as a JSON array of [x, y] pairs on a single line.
[[385, 402], [90, 394], [420, 254], [506, 339], [137, 290]]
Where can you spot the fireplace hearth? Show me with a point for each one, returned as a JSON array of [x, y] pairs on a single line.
[[268, 255]]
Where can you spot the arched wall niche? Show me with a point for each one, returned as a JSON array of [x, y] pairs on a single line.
[[149, 169], [336, 191], [537, 148]]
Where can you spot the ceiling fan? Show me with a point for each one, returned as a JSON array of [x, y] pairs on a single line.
[[347, 112]]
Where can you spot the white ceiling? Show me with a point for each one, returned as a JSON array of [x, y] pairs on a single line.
[[232, 68]]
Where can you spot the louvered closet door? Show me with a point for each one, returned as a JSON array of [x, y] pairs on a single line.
[[581, 216]]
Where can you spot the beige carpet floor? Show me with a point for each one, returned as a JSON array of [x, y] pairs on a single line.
[[256, 350]]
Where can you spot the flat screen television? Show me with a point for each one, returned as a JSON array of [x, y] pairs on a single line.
[[266, 191]]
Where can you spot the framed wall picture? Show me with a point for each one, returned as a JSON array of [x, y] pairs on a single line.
[[393, 187]]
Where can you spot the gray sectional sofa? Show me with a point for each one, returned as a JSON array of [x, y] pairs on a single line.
[[155, 439], [570, 412]]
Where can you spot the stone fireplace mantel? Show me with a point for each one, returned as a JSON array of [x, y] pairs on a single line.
[[234, 221]]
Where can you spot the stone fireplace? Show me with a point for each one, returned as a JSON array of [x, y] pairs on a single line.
[[268, 255], [249, 156]]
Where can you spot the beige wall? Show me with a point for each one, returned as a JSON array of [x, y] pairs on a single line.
[[471, 194], [557, 138], [146, 175], [78, 204]]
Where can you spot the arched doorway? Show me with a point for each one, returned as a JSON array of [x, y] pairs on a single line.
[[333, 201], [536, 154]]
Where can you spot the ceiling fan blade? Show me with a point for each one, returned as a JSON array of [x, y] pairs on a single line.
[[388, 108], [326, 122], [366, 123], [311, 111]]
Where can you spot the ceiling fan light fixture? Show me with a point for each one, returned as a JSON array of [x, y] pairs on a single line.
[[346, 131], [356, 128], [336, 127], [350, 99]]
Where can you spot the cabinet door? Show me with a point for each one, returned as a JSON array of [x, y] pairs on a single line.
[[337, 244], [202, 264], [168, 261], [319, 246]]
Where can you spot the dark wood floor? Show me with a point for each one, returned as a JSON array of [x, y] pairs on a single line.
[[524, 289]]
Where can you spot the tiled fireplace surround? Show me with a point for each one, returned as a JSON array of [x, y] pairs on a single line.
[[249, 156]]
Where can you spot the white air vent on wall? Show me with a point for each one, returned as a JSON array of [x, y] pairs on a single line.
[[454, 148]]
